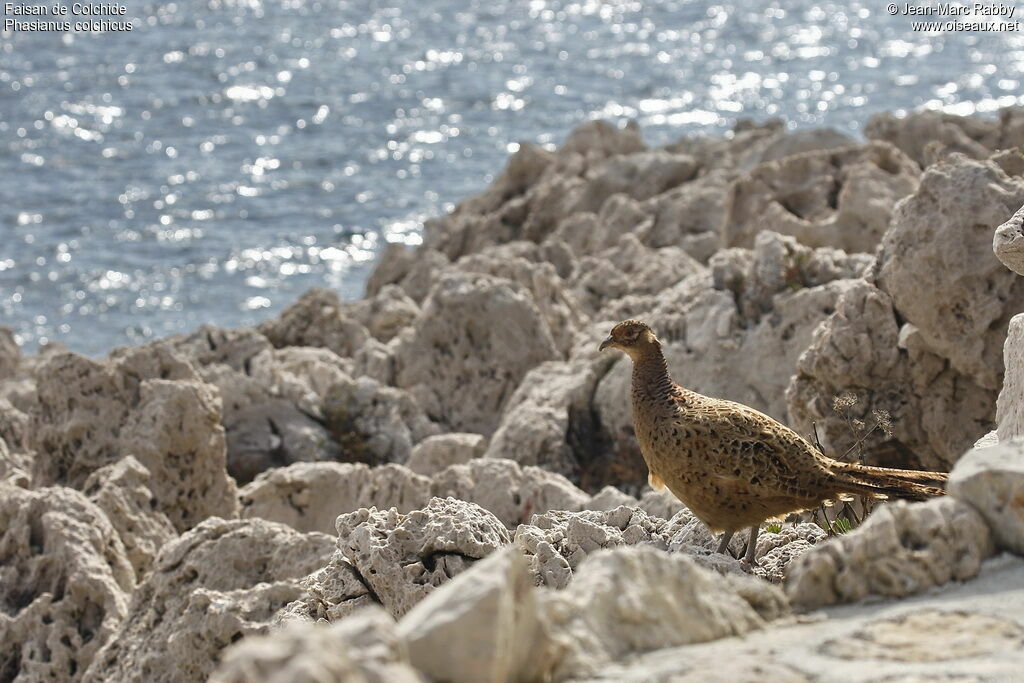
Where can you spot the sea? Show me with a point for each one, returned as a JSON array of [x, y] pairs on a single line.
[[223, 156]]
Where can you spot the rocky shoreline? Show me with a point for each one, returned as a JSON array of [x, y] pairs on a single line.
[[440, 481]]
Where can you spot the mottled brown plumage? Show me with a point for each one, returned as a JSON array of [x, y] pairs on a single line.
[[733, 466]]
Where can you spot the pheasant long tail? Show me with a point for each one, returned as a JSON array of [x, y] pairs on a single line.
[[892, 483]]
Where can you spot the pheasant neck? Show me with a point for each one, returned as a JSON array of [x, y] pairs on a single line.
[[650, 372]]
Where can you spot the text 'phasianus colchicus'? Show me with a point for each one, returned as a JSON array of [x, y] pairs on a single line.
[[733, 466]]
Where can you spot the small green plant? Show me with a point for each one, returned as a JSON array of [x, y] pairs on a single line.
[[773, 528], [842, 525]]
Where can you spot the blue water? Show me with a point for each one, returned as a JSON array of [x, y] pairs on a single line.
[[223, 157]]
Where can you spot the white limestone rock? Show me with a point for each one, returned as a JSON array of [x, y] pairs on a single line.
[[310, 496], [806, 140], [839, 198], [549, 409], [374, 423], [146, 402], [512, 493], [1010, 404], [435, 453], [991, 480], [685, 214], [477, 337], [973, 137], [217, 583], [403, 558], [1008, 242], [861, 351], [491, 615], [318, 318], [301, 374], [211, 345], [959, 299], [633, 600], [386, 312], [65, 583], [122, 491], [365, 648], [901, 549], [609, 498], [556, 542]]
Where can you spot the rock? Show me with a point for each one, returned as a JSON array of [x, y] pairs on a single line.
[[374, 423], [491, 611], [211, 345], [990, 439], [10, 354], [839, 198], [610, 498], [122, 491], [83, 403], [556, 542], [437, 452], [899, 638], [561, 311], [64, 583], [365, 648], [310, 496], [661, 504], [692, 210], [175, 433], [901, 549], [1008, 242], [275, 433], [402, 558], [740, 150], [600, 139], [331, 593], [548, 421], [301, 374], [807, 140], [775, 551], [1010, 404], [640, 175], [633, 600], [219, 582], [145, 402], [512, 493], [991, 480], [386, 312], [960, 300], [477, 336], [973, 137], [860, 352], [318, 319]]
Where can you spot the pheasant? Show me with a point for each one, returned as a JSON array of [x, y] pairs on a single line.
[[733, 466]]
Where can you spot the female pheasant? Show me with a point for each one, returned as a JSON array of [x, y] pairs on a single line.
[[733, 466]]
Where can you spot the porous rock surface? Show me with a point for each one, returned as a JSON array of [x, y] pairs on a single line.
[[991, 480], [122, 491], [900, 550], [217, 583], [310, 496], [65, 583], [148, 403], [402, 558], [365, 648]]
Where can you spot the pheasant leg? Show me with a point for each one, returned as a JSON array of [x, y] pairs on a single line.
[[752, 545], [723, 547]]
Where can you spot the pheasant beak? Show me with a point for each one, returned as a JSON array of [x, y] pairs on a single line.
[[606, 343]]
